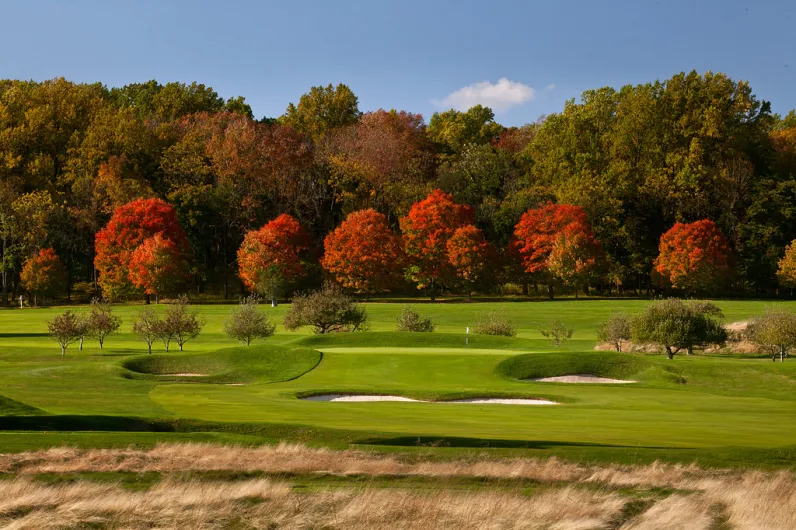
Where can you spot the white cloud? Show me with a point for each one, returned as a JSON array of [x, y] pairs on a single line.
[[551, 86], [499, 96]]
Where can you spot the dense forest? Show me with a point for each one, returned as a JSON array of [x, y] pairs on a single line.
[[636, 161]]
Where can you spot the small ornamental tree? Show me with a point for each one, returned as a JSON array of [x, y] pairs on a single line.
[[410, 320], [535, 237], [273, 256], [615, 331], [83, 329], [43, 275], [694, 257], [65, 329], [472, 257], [786, 272], [128, 227], [678, 325], [558, 333], [574, 258], [102, 321], [147, 325], [426, 231], [494, 323], [157, 266], [326, 310], [774, 332], [180, 323], [247, 322], [363, 254]]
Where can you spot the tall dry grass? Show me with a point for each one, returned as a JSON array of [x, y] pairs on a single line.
[[702, 499]]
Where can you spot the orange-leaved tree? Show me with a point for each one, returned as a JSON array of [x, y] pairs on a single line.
[[536, 233], [273, 256], [43, 274], [426, 231], [128, 227], [695, 257], [157, 266], [472, 257], [574, 258], [363, 253], [786, 270]]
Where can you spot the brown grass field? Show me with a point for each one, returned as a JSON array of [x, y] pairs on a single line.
[[295, 487]]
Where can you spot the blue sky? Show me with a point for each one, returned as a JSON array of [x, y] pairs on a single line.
[[410, 55]]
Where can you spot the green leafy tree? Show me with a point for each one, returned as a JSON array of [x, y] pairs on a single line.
[[321, 110], [247, 322], [327, 310], [616, 330], [774, 332], [558, 333], [102, 321], [66, 329], [678, 325]]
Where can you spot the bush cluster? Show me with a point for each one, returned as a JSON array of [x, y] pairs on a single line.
[[410, 320], [494, 323]]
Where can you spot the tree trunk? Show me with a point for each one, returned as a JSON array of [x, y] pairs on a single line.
[[81, 343], [576, 292], [669, 352], [149, 346], [469, 296], [550, 292], [63, 349], [689, 350], [274, 301], [101, 340], [181, 346], [782, 354], [147, 301], [525, 288]]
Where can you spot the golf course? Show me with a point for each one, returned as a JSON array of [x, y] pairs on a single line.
[[716, 408]]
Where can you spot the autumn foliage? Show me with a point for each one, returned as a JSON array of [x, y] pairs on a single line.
[[694, 256], [426, 231], [157, 266], [574, 258], [786, 270], [363, 253], [538, 230], [43, 274], [471, 256], [128, 228], [273, 254]]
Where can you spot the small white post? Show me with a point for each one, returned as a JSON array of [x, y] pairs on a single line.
[[467, 337], [20, 301]]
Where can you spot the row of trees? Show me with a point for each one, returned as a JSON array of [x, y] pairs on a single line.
[[636, 161]]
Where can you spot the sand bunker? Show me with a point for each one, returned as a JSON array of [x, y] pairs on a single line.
[[581, 378], [361, 398]]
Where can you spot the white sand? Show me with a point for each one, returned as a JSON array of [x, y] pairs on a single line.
[[581, 378], [185, 374], [502, 401], [343, 397], [362, 398]]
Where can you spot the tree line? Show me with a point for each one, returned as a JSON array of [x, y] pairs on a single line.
[[579, 199]]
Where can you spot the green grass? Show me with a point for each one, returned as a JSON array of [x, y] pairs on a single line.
[[717, 409]]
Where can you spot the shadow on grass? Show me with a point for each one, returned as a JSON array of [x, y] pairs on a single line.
[[23, 335], [483, 443]]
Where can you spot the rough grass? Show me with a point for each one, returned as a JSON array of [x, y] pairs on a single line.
[[534, 493]]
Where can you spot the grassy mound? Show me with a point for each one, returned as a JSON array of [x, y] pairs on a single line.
[[405, 339], [252, 364], [601, 364], [10, 407]]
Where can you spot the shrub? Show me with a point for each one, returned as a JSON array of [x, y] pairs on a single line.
[[101, 320], [774, 332], [326, 310], [558, 332], [247, 322], [410, 320], [678, 325], [181, 324], [494, 323], [65, 329], [147, 325], [615, 331]]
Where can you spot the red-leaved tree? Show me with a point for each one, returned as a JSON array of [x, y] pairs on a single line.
[[43, 274], [574, 258], [695, 257], [129, 226], [363, 253], [157, 266], [472, 256], [536, 233], [426, 231], [273, 256]]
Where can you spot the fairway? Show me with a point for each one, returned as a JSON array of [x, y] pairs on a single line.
[[716, 409]]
